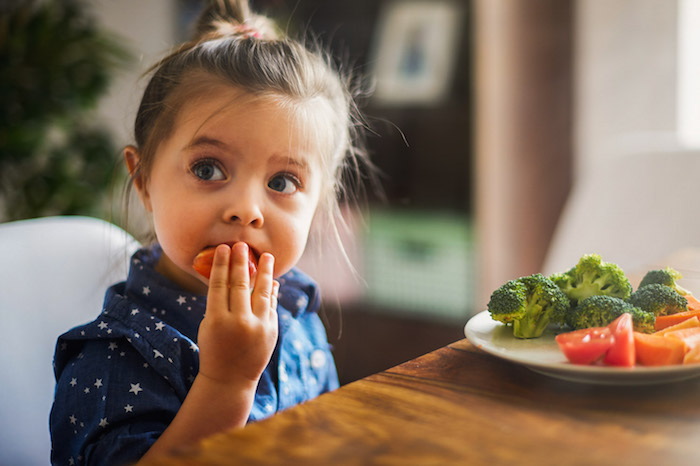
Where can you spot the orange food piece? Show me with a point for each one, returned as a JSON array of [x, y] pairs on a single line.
[[672, 319], [688, 323], [692, 356], [205, 259], [657, 350], [693, 303], [689, 336]]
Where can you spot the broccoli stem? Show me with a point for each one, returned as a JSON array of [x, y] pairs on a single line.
[[532, 325]]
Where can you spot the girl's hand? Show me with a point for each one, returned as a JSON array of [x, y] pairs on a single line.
[[236, 339], [239, 331]]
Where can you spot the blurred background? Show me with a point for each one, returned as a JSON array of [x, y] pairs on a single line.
[[485, 118]]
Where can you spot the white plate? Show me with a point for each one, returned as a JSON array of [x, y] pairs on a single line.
[[543, 355]]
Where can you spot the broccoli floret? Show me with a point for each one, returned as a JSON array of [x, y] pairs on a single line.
[[667, 276], [590, 277], [529, 304], [659, 299], [600, 310]]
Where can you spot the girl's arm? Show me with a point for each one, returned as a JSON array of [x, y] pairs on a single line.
[[236, 339]]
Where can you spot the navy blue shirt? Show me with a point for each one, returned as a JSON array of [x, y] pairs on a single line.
[[122, 378]]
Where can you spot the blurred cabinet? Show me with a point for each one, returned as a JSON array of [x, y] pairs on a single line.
[[423, 148]]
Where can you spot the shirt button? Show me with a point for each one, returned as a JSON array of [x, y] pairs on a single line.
[[318, 359]]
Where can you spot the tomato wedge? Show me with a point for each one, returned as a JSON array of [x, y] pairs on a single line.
[[587, 345], [622, 352], [205, 259]]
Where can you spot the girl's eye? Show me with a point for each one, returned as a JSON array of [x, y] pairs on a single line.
[[284, 183], [207, 170]]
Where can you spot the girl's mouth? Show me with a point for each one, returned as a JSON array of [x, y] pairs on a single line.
[[204, 260]]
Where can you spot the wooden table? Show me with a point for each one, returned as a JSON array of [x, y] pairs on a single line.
[[459, 405]]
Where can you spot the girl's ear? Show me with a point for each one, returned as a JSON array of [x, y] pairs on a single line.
[[133, 164]]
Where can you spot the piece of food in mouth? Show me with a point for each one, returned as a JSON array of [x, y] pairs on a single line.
[[205, 259]]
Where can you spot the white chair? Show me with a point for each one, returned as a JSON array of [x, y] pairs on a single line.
[[53, 275], [637, 210]]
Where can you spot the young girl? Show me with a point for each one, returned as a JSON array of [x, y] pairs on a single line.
[[241, 140]]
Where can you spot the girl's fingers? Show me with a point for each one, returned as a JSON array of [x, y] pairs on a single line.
[[239, 279], [217, 295], [273, 301], [264, 284]]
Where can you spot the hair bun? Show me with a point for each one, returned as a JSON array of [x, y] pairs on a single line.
[[233, 18]]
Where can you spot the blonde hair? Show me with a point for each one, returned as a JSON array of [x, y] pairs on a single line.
[[236, 47]]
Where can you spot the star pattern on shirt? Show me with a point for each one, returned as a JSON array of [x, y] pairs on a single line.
[[302, 301], [135, 388], [141, 338]]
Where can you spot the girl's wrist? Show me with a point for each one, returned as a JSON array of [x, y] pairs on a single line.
[[211, 406], [233, 385]]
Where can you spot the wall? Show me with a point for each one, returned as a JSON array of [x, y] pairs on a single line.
[[633, 123], [623, 97], [626, 76], [148, 29]]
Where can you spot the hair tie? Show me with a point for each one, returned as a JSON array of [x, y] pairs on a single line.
[[246, 32]]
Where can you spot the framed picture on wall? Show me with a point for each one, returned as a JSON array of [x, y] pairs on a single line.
[[414, 51]]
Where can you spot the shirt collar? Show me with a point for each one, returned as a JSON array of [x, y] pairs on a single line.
[[161, 296]]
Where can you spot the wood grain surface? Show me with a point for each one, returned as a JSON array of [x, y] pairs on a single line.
[[459, 405]]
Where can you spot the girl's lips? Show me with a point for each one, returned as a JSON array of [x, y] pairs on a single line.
[[204, 260]]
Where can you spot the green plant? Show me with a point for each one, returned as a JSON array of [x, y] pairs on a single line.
[[54, 159]]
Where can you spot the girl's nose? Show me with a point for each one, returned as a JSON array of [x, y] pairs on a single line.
[[245, 210]]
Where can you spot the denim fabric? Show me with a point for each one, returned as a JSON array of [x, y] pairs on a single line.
[[122, 378]]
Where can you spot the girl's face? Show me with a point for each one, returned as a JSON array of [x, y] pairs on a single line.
[[241, 173]]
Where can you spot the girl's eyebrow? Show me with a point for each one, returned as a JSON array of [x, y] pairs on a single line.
[[205, 141], [275, 159], [287, 160]]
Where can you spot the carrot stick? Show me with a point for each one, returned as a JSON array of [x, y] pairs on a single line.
[[693, 303], [666, 321], [688, 323]]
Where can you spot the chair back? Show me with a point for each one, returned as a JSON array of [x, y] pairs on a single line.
[[54, 272]]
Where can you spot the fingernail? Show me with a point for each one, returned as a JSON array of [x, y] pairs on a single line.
[[269, 260], [223, 249]]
